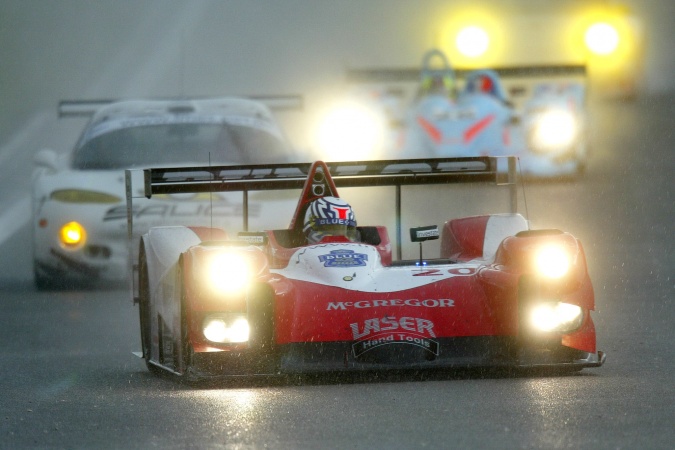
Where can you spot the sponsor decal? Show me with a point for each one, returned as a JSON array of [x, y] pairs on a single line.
[[428, 273], [180, 210], [343, 258], [462, 271], [376, 332], [252, 237], [361, 304], [427, 234]]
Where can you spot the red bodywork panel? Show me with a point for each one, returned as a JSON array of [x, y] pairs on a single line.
[[462, 239], [454, 307]]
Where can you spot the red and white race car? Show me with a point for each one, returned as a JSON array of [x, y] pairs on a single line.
[[498, 295]]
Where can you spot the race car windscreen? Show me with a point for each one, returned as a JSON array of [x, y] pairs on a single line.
[[179, 144]]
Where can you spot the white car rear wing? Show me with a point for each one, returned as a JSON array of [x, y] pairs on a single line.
[[87, 108]]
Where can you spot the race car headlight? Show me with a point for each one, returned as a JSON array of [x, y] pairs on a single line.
[[228, 273], [80, 196], [472, 41], [72, 235], [552, 261], [601, 38], [553, 130], [226, 329], [561, 317], [350, 131]]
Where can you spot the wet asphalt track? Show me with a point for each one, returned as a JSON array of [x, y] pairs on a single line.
[[68, 378]]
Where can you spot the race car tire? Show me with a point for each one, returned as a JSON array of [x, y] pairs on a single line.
[[183, 361], [45, 283], [144, 311]]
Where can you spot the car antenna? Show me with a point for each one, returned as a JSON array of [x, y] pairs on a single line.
[[522, 185], [210, 199]]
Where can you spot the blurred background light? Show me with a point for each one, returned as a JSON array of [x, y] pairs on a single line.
[[602, 38], [472, 41]]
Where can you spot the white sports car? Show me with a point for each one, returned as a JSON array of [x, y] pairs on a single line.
[[79, 210]]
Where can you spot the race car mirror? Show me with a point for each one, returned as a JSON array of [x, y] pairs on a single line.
[[421, 234], [46, 159]]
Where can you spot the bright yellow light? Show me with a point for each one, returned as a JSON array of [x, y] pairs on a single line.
[[221, 330], [552, 261], [72, 234], [556, 316], [602, 38], [351, 131], [553, 130], [228, 272], [472, 41]]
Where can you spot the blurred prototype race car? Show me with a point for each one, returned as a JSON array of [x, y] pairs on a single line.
[[499, 295], [544, 125], [79, 212]]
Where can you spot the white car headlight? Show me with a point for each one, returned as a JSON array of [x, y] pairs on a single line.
[[553, 130], [226, 329], [560, 317], [228, 272], [552, 261], [72, 235]]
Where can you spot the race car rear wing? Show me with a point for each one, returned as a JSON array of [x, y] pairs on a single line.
[[520, 82], [246, 178], [87, 108], [414, 74]]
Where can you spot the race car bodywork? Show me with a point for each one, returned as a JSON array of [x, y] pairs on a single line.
[[79, 210], [498, 295], [541, 118]]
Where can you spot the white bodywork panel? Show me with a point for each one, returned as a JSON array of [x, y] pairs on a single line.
[[498, 227]]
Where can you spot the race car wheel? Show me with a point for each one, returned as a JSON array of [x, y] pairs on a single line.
[[144, 311], [45, 283], [183, 350]]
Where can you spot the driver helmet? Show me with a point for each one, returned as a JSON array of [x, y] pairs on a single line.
[[329, 216]]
